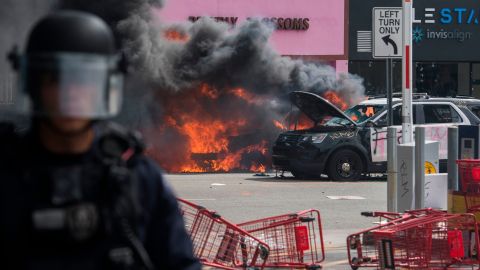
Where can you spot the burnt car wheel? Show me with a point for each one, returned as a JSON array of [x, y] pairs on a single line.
[[345, 165]]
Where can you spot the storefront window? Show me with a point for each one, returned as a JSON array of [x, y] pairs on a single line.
[[436, 79], [442, 79], [373, 73]]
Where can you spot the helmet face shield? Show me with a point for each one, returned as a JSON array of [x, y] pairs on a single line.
[[72, 85]]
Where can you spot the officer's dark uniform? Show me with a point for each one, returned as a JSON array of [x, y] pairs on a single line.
[[30, 182], [107, 208]]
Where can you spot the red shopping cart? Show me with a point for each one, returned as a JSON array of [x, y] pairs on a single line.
[[436, 241], [219, 243], [472, 202], [419, 240], [469, 174], [295, 240], [362, 249]]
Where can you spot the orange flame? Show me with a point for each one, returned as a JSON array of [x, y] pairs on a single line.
[[243, 94], [299, 122], [170, 120], [192, 168], [228, 161], [335, 99], [302, 126], [370, 112], [279, 125], [206, 137], [206, 90], [258, 168], [174, 35]]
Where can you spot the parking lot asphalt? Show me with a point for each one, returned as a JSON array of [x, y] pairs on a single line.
[[244, 197]]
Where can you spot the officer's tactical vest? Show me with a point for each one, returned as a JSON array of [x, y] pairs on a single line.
[[88, 203]]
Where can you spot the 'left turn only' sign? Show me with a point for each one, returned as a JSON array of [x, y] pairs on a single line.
[[387, 32]]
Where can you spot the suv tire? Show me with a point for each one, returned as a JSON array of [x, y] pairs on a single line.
[[345, 165]]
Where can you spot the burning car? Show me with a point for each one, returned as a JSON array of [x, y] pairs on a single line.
[[347, 144]]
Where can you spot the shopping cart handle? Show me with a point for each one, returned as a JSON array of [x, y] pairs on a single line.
[[307, 219], [368, 214], [215, 214]]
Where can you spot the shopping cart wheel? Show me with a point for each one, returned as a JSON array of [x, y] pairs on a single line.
[[314, 267], [354, 261], [264, 252]]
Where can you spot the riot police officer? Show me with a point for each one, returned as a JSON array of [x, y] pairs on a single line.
[[76, 192]]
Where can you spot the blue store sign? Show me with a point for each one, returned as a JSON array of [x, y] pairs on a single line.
[[442, 30]]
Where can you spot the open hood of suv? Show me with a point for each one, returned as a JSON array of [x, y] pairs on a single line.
[[316, 107]]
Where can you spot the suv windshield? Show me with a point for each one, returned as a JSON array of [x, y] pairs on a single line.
[[358, 113], [337, 121]]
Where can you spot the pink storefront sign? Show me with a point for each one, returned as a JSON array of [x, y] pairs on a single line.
[[304, 27]]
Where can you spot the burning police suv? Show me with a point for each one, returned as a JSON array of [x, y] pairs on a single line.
[[347, 145]]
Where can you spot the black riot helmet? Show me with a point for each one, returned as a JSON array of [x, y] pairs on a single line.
[[69, 67]]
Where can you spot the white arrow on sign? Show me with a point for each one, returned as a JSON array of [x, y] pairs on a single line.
[[387, 32]]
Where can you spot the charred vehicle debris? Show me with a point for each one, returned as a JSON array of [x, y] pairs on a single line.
[[347, 145]]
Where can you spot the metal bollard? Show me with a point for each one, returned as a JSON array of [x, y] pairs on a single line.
[[392, 172], [452, 167], [419, 167]]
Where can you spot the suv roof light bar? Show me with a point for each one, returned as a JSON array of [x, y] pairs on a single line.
[[399, 95], [463, 97]]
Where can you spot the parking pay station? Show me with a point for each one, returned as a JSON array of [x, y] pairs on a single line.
[[468, 142]]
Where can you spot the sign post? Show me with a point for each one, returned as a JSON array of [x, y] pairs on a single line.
[[389, 89], [387, 44], [407, 121]]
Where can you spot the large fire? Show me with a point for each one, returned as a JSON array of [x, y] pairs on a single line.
[[216, 131], [298, 121], [208, 130], [294, 121], [336, 99]]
